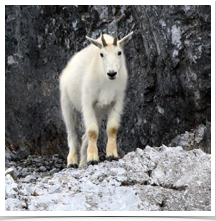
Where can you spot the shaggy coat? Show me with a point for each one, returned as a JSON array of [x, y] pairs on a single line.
[[94, 83]]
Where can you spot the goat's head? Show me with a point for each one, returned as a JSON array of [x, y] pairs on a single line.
[[111, 54]]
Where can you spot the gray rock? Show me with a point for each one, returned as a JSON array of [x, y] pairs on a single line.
[[45, 180], [22, 153], [54, 170], [29, 189], [29, 179], [15, 205], [154, 179], [23, 172], [55, 189], [51, 182], [42, 169], [10, 187], [12, 171], [200, 137], [8, 154], [55, 157], [168, 60]]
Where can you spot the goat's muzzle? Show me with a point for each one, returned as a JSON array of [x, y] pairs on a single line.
[[112, 75]]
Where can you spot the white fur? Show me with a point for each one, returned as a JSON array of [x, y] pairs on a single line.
[[86, 87]]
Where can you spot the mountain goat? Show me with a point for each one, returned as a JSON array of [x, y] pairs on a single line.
[[94, 83]]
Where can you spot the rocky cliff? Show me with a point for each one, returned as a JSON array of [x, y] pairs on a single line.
[[168, 59]]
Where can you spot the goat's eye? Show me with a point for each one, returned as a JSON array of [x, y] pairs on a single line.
[[101, 54], [119, 53]]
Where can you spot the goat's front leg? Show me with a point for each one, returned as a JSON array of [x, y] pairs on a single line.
[[111, 149], [92, 132], [112, 129]]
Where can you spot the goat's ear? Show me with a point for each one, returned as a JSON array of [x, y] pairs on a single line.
[[94, 42], [125, 39]]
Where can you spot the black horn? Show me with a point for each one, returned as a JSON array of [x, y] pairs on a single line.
[[115, 40], [103, 41]]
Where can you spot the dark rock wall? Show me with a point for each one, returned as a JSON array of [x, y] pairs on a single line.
[[168, 60], [169, 73]]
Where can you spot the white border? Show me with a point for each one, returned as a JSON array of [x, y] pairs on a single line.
[[126, 213]]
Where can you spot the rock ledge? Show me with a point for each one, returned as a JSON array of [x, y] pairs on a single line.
[[153, 179]]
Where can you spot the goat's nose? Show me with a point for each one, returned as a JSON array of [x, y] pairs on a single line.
[[111, 74]]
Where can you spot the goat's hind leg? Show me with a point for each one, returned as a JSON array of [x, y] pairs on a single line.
[[83, 151], [72, 159], [70, 121]]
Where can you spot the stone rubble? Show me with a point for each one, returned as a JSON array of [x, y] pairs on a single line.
[[153, 179], [200, 137], [33, 164]]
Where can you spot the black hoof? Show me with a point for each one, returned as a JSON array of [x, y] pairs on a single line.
[[73, 166], [92, 162], [110, 158]]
